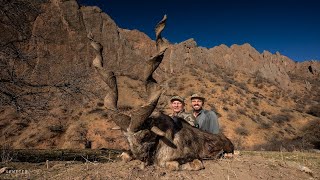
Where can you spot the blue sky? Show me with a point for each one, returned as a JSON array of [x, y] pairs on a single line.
[[291, 27]]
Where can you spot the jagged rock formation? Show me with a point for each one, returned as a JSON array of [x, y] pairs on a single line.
[[59, 33]]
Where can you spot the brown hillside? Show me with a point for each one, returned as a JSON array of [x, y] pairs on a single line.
[[51, 96]]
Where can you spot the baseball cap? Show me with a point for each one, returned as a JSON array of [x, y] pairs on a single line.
[[198, 96], [179, 98]]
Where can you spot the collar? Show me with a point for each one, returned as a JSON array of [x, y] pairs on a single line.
[[200, 112], [179, 113]]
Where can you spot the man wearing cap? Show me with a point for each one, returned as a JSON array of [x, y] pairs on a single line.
[[206, 120], [177, 106]]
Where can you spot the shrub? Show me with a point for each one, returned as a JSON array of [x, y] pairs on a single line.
[[226, 87], [100, 104], [242, 86], [281, 118], [212, 79], [232, 116], [265, 125], [241, 111], [190, 92], [263, 113], [23, 123], [57, 128], [284, 110], [255, 118], [310, 139], [203, 91], [255, 101], [312, 133], [125, 108], [96, 110], [172, 84], [214, 109], [242, 131], [300, 108], [181, 88], [275, 144], [314, 110], [238, 142], [193, 71], [290, 130], [6, 153]]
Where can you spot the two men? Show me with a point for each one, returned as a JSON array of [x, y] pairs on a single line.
[[205, 120]]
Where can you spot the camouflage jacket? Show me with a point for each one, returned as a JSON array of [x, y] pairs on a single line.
[[186, 116]]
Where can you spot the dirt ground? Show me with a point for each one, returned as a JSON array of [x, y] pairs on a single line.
[[246, 165]]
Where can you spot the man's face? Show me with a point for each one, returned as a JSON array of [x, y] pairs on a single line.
[[196, 104], [177, 106]]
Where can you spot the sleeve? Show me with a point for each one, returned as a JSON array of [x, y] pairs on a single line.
[[189, 118], [214, 123]]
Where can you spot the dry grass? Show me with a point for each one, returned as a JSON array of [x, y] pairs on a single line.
[[244, 165], [242, 131], [301, 157], [7, 154]]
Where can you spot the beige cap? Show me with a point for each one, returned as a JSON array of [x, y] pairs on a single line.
[[179, 98], [197, 96]]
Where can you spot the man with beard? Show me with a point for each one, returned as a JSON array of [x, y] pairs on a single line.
[[206, 120]]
